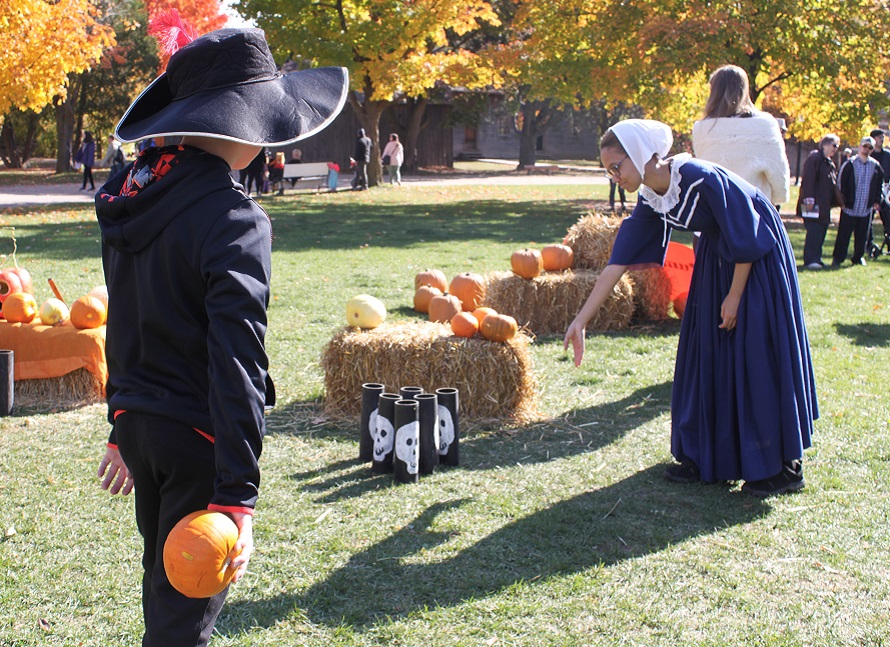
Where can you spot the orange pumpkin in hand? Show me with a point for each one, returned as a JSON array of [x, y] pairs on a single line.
[[87, 312], [196, 553]]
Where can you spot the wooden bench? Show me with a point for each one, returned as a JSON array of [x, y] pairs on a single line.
[[308, 171]]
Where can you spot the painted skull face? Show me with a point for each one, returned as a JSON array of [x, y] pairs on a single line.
[[382, 433], [407, 437], [446, 430]]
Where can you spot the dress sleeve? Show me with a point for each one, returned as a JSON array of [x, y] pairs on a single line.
[[744, 237], [642, 239]]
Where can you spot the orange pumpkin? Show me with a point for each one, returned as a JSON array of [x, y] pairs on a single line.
[[435, 278], [88, 312], [557, 258], [498, 327], [20, 307], [423, 296], [480, 313], [680, 304], [469, 288], [196, 553], [10, 283], [444, 307], [527, 263], [464, 324]]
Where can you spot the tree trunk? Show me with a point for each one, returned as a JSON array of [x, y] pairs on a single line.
[[65, 118], [416, 114], [9, 146], [535, 116], [368, 114]]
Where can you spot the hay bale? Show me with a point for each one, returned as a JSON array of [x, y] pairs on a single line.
[[548, 303], [495, 380], [74, 388], [651, 293], [591, 239]]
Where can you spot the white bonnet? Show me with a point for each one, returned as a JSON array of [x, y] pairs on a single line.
[[643, 138]]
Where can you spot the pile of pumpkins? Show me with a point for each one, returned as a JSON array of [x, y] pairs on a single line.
[[18, 305], [459, 304]]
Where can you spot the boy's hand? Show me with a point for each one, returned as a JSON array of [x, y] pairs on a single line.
[[117, 477], [243, 548]]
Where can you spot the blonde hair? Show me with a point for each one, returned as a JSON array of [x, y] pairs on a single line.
[[730, 94], [279, 157]]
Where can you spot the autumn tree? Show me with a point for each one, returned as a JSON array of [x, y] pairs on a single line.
[[821, 64], [392, 48], [42, 43]]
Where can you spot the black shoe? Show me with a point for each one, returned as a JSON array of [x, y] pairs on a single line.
[[790, 479], [684, 472], [861, 261]]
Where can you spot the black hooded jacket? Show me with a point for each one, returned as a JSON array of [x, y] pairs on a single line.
[[187, 260]]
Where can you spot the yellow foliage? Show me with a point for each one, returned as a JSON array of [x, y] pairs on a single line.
[[41, 42]]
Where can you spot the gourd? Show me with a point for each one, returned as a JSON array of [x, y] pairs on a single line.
[[53, 312], [87, 312], [444, 307], [423, 295], [19, 307], [527, 263], [498, 327], [365, 311], [469, 288], [464, 324], [435, 278], [196, 553], [557, 258]]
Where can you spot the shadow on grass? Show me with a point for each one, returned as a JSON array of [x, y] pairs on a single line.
[[586, 431], [866, 334], [637, 516]]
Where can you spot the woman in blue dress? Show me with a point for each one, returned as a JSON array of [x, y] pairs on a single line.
[[744, 397]]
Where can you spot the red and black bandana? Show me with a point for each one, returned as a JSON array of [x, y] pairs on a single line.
[[152, 164]]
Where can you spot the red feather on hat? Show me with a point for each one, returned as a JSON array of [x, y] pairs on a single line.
[[170, 31]]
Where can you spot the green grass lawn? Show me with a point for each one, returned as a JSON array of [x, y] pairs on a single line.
[[558, 533]]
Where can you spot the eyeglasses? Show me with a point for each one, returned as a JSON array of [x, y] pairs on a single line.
[[868, 146], [614, 171]]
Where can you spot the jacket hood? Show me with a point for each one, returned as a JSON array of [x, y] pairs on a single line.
[[153, 198]]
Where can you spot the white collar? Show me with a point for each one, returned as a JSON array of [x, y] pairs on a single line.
[[664, 203]]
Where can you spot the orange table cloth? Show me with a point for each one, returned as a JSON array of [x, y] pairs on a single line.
[[53, 351]]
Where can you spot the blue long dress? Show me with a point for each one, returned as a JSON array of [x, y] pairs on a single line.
[[744, 400]]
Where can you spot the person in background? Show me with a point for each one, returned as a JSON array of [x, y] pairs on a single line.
[[621, 195], [276, 173], [882, 155], [114, 159], [744, 395], [393, 158], [188, 382], [817, 197], [362, 157], [296, 157], [255, 173], [86, 155], [860, 181], [736, 135]]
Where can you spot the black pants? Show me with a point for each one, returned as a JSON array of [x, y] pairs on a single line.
[[621, 195], [848, 225], [815, 239], [173, 473], [360, 181], [88, 176]]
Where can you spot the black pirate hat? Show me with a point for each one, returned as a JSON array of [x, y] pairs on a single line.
[[225, 84]]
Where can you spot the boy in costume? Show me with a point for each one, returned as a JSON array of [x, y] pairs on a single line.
[[187, 260]]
